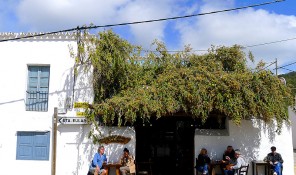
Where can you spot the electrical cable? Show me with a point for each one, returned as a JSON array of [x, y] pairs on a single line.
[[272, 42], [140, 22], [269, 65], [254, 45], [288, 69], [285, 65]]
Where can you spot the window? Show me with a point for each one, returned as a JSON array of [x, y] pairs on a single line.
[[37, 90], [215, 125], [212, 122], [32, 145]]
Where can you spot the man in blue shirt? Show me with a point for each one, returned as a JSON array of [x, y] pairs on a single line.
[[96, 166]]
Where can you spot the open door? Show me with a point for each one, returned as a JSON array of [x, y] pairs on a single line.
[[167, 144]]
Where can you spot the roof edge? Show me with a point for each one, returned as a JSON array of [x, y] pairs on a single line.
[[29, 36]]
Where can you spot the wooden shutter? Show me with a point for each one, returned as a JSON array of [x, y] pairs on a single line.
[[38, 88], [24, 146], [41, 146], [33, 145]]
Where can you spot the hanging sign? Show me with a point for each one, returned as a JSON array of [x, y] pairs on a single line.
[[80, 114], [72, 120], [83, 105]]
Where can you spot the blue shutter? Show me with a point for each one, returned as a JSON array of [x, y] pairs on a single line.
[[38, 88], [33, 145], [32, 87], [24, 146], [43, 87], [41, 146]]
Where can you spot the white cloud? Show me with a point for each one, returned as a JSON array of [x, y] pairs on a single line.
[[146, 10], [245, 27], [50, 15]]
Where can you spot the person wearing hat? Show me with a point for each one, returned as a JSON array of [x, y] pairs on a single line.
[[236, 164], [275, 160]]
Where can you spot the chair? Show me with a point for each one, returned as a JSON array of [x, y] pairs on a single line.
[[243, 170], [144, 168]]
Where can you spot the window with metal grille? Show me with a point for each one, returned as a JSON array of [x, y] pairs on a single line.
[[37, 90]]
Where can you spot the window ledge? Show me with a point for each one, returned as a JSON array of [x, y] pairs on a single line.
[[212, 132]]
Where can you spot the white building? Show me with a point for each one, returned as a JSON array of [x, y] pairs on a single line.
[[37, 75]]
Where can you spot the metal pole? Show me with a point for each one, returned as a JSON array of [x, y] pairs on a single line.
[[54, 143], [276, 67]]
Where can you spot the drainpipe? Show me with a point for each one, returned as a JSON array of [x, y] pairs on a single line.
[[54, 142]]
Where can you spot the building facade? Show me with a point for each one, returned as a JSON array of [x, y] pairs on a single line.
[[37, 75]]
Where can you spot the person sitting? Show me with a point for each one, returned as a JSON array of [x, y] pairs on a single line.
[[234, 164], [275, 160], [227, 155], [203, 162], [127, 162], [96, 166]]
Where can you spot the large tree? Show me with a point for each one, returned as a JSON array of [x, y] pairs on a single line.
[[130, 84]]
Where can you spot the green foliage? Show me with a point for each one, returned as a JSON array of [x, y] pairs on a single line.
[[129, 85], [291, 81]]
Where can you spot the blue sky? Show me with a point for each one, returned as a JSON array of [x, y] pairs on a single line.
[[249, 26]]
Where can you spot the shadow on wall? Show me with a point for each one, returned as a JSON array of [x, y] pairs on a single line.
[[83, 86], [244, 137], [78, 91], [86, 149], [247, 137], [113, 151], [67, 90], [82, 89], [270, 129]]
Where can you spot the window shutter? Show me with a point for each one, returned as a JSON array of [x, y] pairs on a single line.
[[24, 146], [41, 146], [33, 145], [38, 88]]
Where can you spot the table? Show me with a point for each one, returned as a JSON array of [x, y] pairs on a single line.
[[110, 165], [213, 166], [256, 163]]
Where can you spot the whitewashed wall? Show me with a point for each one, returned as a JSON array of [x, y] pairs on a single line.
[[293, 124], [15, 57], [253, 138], [75, 151]]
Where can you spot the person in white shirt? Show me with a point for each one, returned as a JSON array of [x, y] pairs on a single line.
[[235, 164]]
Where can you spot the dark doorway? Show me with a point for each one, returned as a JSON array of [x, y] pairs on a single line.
[[168, 143]]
